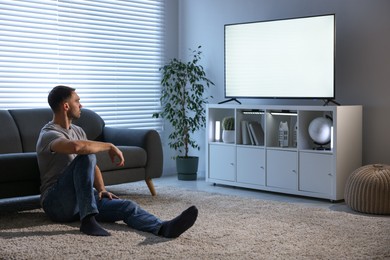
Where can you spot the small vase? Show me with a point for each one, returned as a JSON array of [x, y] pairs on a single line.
[[228, 136]]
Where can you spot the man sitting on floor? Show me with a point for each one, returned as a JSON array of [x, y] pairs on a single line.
[[72, 186]]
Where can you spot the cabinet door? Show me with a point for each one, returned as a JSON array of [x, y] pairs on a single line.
[[222, 162], [315, 172], [250, 165], [282, 169]]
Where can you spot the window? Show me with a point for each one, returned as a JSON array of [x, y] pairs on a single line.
[[109, 50]]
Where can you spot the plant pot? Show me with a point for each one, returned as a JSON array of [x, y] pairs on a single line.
[[228, 136], [187, 168]]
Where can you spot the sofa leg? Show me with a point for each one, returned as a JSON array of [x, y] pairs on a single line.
[[150, 184]]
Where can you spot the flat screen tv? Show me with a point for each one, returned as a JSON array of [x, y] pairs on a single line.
[[287, 58]]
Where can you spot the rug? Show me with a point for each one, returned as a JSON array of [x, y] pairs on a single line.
[[228, 227]]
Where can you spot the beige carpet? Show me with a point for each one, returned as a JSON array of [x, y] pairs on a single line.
[[227, 228]]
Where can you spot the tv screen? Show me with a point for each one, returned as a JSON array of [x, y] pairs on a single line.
[[289, 58]]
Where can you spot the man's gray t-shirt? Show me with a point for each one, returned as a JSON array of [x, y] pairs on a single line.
[[52, 164]]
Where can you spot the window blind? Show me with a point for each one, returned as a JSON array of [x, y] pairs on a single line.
[[109, 50]]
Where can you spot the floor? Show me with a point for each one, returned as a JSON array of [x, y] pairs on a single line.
[[202, 185], [31, 202]]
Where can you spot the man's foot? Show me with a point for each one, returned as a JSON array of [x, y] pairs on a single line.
[[178, 225], [91, 227]]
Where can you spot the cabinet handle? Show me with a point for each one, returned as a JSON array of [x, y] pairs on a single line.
[[262, 167], [232, 164], [294, 171], [330, 174]]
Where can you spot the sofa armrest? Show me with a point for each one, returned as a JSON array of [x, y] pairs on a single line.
[[148, 139]]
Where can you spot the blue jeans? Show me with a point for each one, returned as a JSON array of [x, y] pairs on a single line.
[[73, 197]]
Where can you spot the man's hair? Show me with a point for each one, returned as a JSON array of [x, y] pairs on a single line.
[[58, 95]]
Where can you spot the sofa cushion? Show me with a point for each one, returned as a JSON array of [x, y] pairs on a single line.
[[9, 135], [123, 176], [30, 123], [16, 167], [18, 189], [135, 157]]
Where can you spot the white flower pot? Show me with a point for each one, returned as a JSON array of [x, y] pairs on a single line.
[[228, 136]]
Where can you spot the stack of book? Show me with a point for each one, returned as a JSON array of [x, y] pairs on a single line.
[[252, 133]]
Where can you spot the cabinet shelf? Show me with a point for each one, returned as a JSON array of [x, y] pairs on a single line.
[[222, 143], [251, 146], [282, 148], [294, 166], [317, 151]]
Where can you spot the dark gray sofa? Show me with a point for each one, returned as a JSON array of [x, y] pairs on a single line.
[[19, 172]]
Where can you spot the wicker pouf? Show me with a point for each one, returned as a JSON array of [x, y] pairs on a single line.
[[368, 189]]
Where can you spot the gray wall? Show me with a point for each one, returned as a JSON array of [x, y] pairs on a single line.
[[362, 55]]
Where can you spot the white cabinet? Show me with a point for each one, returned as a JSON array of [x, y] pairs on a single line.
[[222, 162], [316, 172], [301, 167], [282, 169], [251, 165]]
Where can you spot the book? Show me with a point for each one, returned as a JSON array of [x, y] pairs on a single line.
[[257, 133], [245, 132], [250, 135]]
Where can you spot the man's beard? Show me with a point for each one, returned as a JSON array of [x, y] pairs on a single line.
[[73, 116]]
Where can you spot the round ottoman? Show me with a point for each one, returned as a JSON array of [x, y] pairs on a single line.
[[368, 189]]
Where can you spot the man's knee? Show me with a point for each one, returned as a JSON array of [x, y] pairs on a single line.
[[86, 158], [85, 163]]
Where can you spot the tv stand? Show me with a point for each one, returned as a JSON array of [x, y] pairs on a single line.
[[231, 99], [256, 160], [329, 100]]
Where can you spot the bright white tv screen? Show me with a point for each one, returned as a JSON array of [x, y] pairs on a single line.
[[289, 58]]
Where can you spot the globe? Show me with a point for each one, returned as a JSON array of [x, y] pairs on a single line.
[[320, 130]]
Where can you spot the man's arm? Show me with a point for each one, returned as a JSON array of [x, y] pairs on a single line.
[[98, 182], [66, 146], [99, 186]]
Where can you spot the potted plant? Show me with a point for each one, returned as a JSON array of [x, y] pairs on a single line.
[[228, 130], [183, 100]]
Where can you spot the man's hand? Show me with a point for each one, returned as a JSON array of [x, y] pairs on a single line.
[[115, 152], [106, 194]]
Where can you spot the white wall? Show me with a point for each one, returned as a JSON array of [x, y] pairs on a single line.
[[362, 54]]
